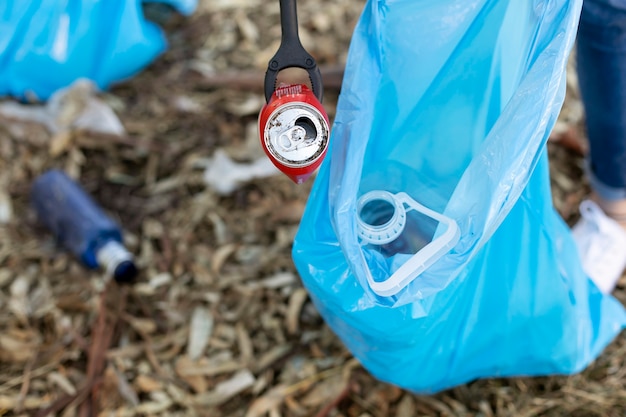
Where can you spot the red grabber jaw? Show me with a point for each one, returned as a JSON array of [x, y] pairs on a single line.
[[294, 130], [293, 125]]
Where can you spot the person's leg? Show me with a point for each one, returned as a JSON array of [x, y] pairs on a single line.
[[601, 57]]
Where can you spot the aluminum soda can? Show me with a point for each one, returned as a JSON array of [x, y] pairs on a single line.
[[294, 131]]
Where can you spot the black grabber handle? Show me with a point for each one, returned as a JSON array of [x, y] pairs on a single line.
[[291, 53]]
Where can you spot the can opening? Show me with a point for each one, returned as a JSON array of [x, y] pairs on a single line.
[[296, 134], [308, 126]]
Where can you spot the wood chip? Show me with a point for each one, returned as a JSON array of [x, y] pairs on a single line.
[[6, 207], [406, 407], [142, 325], [246, 350], [269, 401], [324, 391], [125, 389], [207, 366], [29, 403], [200, 331], [220, 256], [224, 391], [196, 381], [15, 350], [279, 280], [62, 382], [145, 383], [296, 301], [224, 248], [161, 402], [271, 356]]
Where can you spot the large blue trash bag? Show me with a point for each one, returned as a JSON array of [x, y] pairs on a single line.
[[445, 111], [46, 45]]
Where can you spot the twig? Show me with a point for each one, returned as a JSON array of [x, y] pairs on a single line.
[[66, 400], [25, 384], [42, 370], [95, 362], [102, 335]]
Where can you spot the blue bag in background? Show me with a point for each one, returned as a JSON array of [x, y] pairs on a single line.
[[46, 45], [429, 243]]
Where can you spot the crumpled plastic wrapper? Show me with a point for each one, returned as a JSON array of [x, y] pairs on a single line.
[[74, 107], [225, 175]]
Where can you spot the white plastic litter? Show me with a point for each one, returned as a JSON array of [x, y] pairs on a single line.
[[74, 107], [225, 175]]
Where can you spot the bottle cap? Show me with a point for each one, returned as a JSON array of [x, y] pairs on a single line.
[[381, 219], [117, 261]]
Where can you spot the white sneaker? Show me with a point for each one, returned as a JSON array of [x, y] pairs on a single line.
[[601, 245]]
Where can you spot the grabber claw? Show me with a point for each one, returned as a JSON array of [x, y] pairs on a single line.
[[293, 125]]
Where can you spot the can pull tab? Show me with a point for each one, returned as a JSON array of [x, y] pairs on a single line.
[[291, 53], [301, 135], [291, 138]]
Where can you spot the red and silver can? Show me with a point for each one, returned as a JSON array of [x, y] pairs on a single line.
[[294, 130]]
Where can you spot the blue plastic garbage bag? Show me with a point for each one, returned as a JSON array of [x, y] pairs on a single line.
[[46, 45], [447, 105]]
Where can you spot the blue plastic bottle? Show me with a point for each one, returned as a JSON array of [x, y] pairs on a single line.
[[81, 226]]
